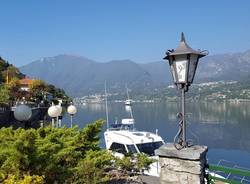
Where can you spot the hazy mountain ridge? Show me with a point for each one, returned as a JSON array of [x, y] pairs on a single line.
[[80, 76], [224, 67]]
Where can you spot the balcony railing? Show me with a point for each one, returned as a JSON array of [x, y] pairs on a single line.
[[234, 175]]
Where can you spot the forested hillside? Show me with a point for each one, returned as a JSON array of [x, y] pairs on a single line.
[[11, 87]]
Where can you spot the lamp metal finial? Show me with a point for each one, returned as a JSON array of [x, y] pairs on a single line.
[[182, 37]]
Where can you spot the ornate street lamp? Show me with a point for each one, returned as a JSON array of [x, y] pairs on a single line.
[[23, 113], [183, 62], [72, 111]]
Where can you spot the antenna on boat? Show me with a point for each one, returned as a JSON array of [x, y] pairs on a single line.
[[106, 106]]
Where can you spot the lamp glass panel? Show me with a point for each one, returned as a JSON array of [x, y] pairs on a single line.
[[173, 73], [192, 67], [172, 68], [181, 68]]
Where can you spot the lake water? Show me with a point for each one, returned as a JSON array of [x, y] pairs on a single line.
[[223, 127]]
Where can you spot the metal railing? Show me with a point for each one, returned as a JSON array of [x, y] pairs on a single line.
[[234, 174]]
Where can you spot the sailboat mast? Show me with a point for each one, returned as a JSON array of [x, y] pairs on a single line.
[[127, 91], [131, 113], [106, 106], [130, 109]]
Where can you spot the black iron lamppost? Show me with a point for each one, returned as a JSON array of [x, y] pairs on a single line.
[[183, 62]]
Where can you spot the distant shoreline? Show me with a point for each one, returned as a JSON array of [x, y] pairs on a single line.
[[168, 101]]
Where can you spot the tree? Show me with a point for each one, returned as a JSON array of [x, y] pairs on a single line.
[[37, 89], [3, 66], [57, 93], [14, 89], [27, 179], [55, 154], [126, 164], [134, 163], [4, 94], [9, 72], [143, 162], [91, 169]]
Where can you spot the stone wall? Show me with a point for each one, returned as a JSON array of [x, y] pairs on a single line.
[[186, 166]]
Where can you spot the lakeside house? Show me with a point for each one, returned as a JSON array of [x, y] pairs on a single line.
[[25, 83]]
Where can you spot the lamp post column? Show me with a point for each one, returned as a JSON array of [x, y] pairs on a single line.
[[183, 118], [53, 122], [71, 120]]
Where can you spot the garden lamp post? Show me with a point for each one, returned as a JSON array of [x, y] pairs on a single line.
[[72, 110], [23, 113], [58, 120], [183, 62], [53, 112]]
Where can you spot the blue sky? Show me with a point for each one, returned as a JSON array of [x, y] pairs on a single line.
[[103, 30]]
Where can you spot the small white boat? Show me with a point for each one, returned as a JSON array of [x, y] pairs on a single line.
[[128, 102]]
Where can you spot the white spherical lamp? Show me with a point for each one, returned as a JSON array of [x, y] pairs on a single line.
[[54, 111], [59, 107], [22, 113], [72, 109]]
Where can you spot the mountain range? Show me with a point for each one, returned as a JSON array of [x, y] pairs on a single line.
[[80, 76]]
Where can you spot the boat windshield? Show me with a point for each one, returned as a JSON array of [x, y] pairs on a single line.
[[120, 126], [131, 148], [149, 148]]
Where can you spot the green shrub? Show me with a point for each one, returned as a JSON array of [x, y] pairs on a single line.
[[134, 163], [58, 154]]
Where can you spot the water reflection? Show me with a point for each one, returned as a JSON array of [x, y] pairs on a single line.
[[128, 108], [221, 126]]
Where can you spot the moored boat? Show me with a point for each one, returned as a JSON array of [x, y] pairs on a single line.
[[122, 138]]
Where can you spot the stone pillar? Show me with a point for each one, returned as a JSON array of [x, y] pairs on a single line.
[[185, 166]]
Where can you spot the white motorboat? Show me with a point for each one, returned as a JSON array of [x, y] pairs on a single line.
[[122, 138]]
